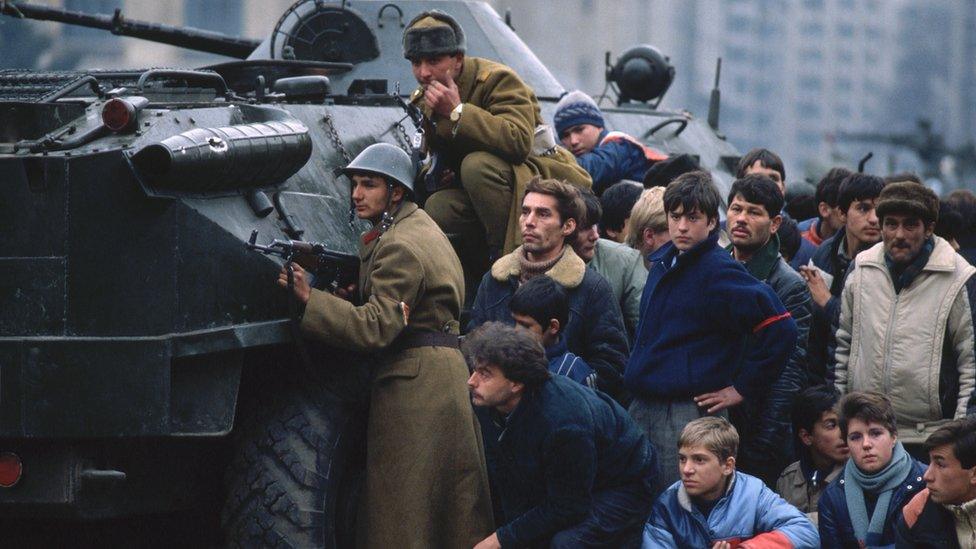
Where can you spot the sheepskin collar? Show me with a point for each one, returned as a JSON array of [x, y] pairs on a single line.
[[568, 271]]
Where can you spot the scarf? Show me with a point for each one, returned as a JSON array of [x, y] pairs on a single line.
[[530, 269], [903, 275], [881, 484]]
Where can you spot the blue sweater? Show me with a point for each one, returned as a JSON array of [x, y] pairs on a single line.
[[612, 161], [698, 317]]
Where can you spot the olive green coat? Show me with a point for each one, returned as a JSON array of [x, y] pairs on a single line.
[[426, 483], [499, 116]]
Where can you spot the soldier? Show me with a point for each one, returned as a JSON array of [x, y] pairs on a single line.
[[482, 120], [426, 483]]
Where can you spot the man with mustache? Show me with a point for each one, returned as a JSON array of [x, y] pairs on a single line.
[[906, 322], [483, 133], [753, 219]]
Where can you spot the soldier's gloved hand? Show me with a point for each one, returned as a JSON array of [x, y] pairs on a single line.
[[442, 98], [302, 288]]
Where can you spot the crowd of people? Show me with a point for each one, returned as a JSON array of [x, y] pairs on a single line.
[[650, 363]]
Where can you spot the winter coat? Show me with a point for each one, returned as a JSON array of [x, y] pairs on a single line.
[[794, 486], [623, 267], [915, 346], [562, 443], [564, 363], [499, 117], [425, 457], [696, 317], [820, 347], [748, 515], [764, 424], [834, 523], [595, 330], [925, 524], [617, 156]]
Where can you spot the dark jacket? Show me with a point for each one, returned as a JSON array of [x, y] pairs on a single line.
[[614, 159], [696, 316], [820, 348], [924, 524], [595, 330], [836, 530], [764, 424], [562, 443], [564, 363]]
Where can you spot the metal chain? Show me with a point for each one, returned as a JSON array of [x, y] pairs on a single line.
[[402, 137], [336, 140]]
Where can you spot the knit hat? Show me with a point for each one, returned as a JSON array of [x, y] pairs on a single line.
[[576, 108], [908, 197], [433, 33]]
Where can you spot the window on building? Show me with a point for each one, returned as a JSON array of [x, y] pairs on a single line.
[[810, 83], [810, 140], [845, 30], [91, 7], [843, 84], [812, 29], [811, 56], [586, 6], [216, 15], [808, 110]]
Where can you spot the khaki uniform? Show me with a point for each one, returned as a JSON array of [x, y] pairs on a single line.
[[490, 149], [426, 483], [794, 488]]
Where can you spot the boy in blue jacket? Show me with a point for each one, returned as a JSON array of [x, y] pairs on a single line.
[[541, 306], [710, 334], [714, 504]]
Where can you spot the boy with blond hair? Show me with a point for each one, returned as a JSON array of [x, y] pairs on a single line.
[[715, 506]]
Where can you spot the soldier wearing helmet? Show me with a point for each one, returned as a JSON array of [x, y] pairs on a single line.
[[485, 134], [426, 483]]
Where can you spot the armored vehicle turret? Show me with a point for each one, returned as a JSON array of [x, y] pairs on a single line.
[[145, 353]]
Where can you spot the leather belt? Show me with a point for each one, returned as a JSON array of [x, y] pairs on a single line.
[[412, 340]]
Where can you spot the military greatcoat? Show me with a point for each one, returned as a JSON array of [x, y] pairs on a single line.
[[493, 142], [426, 483]]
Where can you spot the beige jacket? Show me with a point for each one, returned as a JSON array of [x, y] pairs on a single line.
[[792, 486], [895, 343]]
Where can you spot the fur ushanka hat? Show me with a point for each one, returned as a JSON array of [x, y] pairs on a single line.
[[432, 33], [908, 197]]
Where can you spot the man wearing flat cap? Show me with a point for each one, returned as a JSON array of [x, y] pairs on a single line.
[[906, 321], [482, 136]]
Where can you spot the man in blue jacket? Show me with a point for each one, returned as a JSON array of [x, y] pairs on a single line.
[[716, 506], [607, 156], [710, 335], [568, 466]]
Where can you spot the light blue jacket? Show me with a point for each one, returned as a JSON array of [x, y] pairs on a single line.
[[747, 510]]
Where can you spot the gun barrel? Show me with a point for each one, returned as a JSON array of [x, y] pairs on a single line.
[[186, 37]]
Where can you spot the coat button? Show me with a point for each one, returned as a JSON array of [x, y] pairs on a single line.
[[919, 479], [909, 487]]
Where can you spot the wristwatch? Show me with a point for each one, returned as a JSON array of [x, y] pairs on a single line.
[[456, 113]]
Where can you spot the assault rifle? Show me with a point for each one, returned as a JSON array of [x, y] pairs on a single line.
[[331, 269]]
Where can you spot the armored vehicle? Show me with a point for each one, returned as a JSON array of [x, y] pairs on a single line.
[[145, 352]]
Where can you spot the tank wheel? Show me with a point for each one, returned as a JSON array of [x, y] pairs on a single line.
[[294, 478]]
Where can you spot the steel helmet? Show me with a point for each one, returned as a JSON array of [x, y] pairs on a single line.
[[387, 161]]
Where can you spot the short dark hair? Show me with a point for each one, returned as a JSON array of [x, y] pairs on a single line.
[[868, 407], [964, 201], [569, 205], [767, 159], [950, 224], [594, 211], [543, 299], [618, 200], [789, 238], [800, 202], [758, 189], [693, 191], [903, 176], [517, 353], [809, 406], [857, 187], [829, 186], [961, 434]]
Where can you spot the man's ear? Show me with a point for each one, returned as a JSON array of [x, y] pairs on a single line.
[[712, 223], [729, 466], [517, 387], [929, 229], [553, 327], [397, 193], [776, 221], [569, 226], [972, 475], [805, 437]]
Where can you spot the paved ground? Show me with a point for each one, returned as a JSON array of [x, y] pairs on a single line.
[[183, 531]]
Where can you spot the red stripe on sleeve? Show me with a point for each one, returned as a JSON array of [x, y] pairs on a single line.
[[769, 321]]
